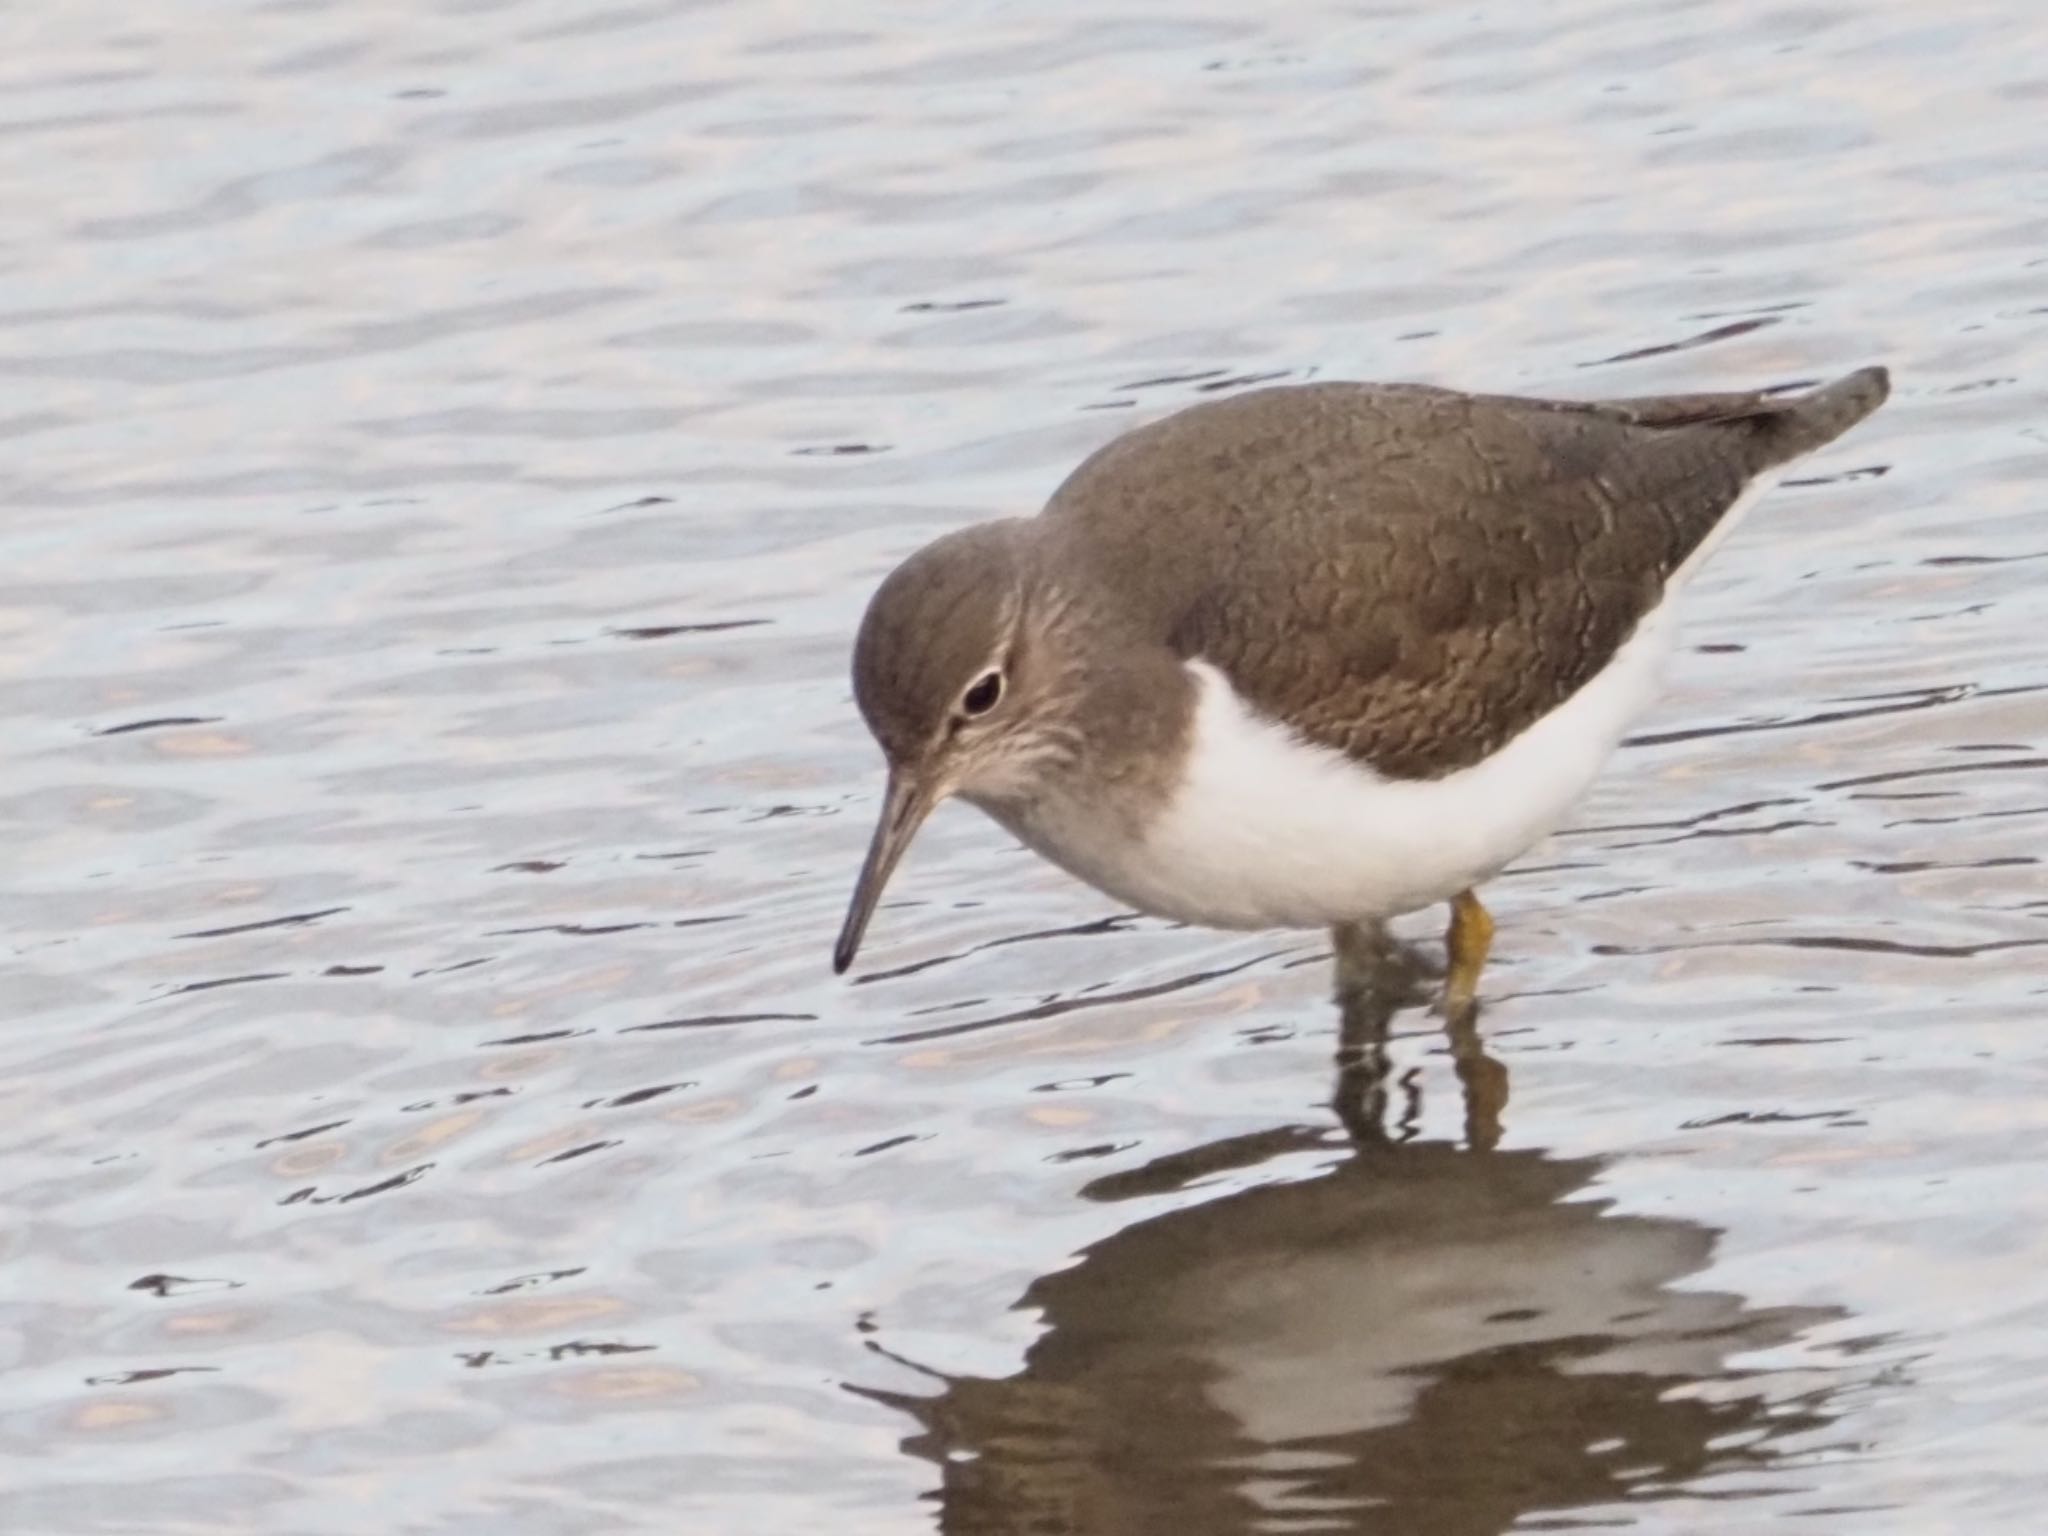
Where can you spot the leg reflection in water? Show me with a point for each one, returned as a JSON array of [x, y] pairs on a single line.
[[1377, 976]]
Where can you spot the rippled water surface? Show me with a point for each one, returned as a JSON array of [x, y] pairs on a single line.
[[447, 449]]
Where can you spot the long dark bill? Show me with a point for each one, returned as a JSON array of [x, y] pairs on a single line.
[[904, 807]]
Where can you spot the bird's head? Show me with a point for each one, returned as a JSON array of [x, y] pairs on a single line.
[[963, 676]]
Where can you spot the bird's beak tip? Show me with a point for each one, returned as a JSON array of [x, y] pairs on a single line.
[[905, 804]]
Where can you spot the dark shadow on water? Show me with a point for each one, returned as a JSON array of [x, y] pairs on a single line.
[[1419, 1338]]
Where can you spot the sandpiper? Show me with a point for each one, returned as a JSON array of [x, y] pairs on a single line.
[[1314, 656]]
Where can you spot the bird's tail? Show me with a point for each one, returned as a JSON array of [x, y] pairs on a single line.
[[1790, 426], [1779, 426]]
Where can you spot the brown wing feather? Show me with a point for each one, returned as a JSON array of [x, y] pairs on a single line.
[[1414, 576]]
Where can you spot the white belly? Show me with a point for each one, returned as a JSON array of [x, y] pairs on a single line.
[[1266, 830]]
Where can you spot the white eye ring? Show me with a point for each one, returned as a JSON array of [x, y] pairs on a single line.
[[982, 695]]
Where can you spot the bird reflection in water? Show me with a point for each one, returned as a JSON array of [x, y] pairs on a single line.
[[1419, 1338]]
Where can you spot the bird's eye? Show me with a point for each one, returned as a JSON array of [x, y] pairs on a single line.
[[981, 698]]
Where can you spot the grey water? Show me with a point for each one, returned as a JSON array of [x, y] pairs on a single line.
[[444, 451]]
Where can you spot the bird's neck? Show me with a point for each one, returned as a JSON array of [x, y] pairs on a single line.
[[1129, 706]]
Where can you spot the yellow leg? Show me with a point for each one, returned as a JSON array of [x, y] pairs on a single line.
[[1484, 1079], [1469, 939]]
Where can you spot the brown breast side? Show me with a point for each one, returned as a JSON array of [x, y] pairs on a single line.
[[1408, 575]]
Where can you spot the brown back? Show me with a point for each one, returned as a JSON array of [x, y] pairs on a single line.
[[1411, 575]]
